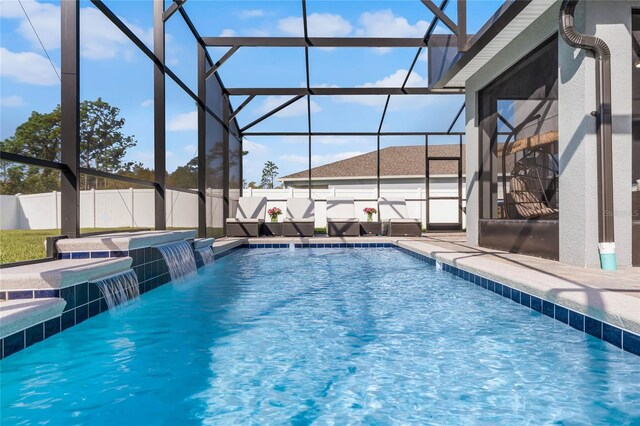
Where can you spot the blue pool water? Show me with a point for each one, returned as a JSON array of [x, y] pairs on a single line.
[[342, 336]]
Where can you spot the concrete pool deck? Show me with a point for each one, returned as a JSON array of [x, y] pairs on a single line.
[[612, 297]]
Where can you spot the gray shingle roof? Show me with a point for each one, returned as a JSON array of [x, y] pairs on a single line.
[[394, 161]]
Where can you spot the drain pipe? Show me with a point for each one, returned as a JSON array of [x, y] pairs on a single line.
[[606, 244]]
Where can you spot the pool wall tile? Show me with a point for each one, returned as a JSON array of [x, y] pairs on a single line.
[[20, 294], [631, 342], [67, 320], [51, 327], [548, 308], [94, 308], [612, 334], [506, 292], [82, 313], [13, 343], [69, 295], [576, 320], [82, 294], [593, 327], [42, 294], [34, 334], [536, 303], [562, 314]]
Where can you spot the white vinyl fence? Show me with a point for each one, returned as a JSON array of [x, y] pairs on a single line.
[[120, 208], [109, 208]]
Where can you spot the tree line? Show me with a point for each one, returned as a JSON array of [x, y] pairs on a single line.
[[103, 147]]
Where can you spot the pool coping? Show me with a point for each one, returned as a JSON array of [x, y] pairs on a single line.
[[615, 320]]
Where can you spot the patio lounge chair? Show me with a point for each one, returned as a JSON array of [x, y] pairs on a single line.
[[395, 218], [300, 220], [249, 217], [341, 218]]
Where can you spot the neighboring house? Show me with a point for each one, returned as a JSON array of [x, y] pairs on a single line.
[[401, 167]]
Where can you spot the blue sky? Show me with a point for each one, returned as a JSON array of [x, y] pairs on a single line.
[[114, 69]]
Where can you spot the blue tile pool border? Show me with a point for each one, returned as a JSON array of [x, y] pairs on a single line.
[[623, 339]]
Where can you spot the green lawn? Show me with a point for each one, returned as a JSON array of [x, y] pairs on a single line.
[[27, 244]]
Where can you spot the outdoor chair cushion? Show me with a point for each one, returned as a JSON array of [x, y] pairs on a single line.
[[393, 208], [299, 209], [251, 208], [341, 210]]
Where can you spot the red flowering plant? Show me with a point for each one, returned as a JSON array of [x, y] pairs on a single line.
[[274, 212], [370, 211]]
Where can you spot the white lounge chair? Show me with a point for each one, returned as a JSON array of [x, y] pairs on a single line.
[[249, 217], [299, 218], [341, 218], [395, 218]]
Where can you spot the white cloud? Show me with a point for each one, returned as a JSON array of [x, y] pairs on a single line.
[[100, 39], [397, 78], [228, 32], [394, 80], [252, 146], [146, 103], [44, 16], [27, 67], [384, 23], [295, 109], [318, 160], [319, 25], [251, 13], [184, 121], [12, 101]]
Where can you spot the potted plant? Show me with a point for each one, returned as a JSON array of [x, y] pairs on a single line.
[[274, 212], [370, 211]]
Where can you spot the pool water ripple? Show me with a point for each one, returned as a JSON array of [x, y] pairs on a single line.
[[339, 336]]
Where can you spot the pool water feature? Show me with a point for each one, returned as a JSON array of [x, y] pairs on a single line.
[[119, 289], [329, 335], [207, 255], [180, 260]]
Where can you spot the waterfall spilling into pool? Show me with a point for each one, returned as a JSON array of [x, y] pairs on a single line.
[[207, 256], [119, 289], [179, 258]]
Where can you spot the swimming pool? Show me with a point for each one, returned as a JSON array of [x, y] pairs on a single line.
[[273, 336]]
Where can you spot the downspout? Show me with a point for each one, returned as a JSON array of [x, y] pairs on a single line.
[[599, 48]]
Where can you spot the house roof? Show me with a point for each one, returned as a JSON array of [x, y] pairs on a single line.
[[395, 161]]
